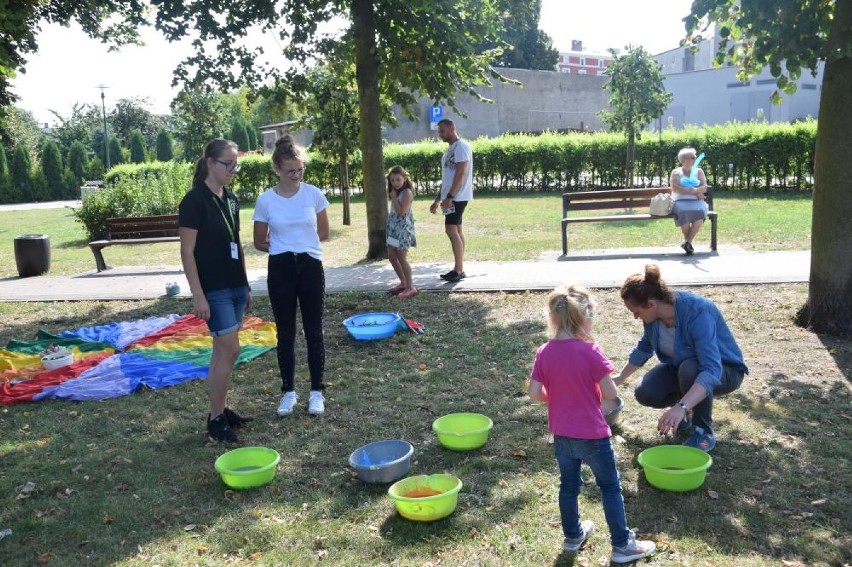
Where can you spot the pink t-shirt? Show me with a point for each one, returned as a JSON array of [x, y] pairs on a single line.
[[571, 371]]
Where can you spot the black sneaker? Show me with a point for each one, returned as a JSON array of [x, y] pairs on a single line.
[[449, 275], [219, 430], [235, 419], [457, 277]]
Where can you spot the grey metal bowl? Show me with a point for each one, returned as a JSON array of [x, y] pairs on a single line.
[[382, 461], [614, 415]]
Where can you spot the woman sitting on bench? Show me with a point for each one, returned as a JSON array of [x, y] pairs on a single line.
[[688, 206]]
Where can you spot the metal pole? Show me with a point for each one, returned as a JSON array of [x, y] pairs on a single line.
[[106, 138]]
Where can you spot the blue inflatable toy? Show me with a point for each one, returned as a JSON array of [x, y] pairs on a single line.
[[692, 181]]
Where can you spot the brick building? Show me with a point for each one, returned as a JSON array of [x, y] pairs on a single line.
[[580, 62]]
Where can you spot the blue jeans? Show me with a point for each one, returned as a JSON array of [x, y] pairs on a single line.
[[227, 307], [598, 454], [665, 384]]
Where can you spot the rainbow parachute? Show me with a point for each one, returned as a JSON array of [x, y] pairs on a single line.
[[117, 359]]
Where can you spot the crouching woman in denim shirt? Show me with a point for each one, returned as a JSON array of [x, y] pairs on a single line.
[[698, 356]]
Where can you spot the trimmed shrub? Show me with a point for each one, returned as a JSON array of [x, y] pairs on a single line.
[[239, 134], [165, 146], [78, 159], [116, 155], [21, 174], [4, 163], [137, 147], [134, 190], [52, 168]]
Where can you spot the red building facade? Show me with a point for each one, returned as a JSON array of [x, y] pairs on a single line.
[[580, 62]]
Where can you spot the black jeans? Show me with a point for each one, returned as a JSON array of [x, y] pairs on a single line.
[[298, 278], [665, 384]]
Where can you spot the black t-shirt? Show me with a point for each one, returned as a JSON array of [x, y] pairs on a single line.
[[211, 216]]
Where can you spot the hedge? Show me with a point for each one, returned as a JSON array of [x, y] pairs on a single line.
[[740, 156]]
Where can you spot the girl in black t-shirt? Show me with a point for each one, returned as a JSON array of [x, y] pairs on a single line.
[[214, 265]]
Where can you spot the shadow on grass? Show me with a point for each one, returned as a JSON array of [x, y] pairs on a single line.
[[783, 493], [132, 479]]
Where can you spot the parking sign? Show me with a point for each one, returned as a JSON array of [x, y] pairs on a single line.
[[436, 114]]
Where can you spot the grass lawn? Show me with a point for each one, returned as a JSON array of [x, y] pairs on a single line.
[[497, 227], [130, 481]]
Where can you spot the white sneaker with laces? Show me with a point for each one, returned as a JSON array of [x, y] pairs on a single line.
[[587, 528], [633, 550], [316, 403], [288, 402]]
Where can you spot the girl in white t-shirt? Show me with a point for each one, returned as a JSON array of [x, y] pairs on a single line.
[[290, 221]]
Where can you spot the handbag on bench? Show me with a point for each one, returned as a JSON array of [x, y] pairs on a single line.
[[661, 205]]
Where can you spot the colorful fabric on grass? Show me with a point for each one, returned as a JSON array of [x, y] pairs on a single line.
[[120, 358]]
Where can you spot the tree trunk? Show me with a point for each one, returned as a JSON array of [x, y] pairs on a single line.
[[830, 293], [631, 148], [343, 164], [367, 75]]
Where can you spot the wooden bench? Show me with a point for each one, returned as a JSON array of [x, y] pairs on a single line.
[[135, 230], [628, 201]]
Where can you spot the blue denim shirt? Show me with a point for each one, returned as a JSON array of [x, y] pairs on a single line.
[[700, 332]]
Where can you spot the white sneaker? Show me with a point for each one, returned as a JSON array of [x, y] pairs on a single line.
[[587, 528], [288, 402], [635, 549], [316, 403]]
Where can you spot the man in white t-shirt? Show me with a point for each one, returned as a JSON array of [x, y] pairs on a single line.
[[456, 191]]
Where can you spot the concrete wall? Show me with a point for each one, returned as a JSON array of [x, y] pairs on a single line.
[[714, 96], [547, 101]]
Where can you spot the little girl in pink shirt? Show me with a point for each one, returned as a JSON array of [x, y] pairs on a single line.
[[572, 375]]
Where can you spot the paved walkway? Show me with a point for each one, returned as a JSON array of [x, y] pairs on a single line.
[[595, 269]]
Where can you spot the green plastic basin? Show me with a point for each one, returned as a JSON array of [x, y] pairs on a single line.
[[675, 467], [463, 431], [248, 467], [426, 498]]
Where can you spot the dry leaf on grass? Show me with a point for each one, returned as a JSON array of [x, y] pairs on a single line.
[[517, 453], [713, 494]]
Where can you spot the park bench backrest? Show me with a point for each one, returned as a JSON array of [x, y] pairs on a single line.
[[142, 227]]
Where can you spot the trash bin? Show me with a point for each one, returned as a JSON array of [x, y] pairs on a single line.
[[32, 254]]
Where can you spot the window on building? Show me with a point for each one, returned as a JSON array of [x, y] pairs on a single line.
[[566, 70], [601, 63], [582, 60], [688, 60], [581, 71]]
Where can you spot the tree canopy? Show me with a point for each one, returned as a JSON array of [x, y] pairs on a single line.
[[790, 36], [524, 45], [637, 96]]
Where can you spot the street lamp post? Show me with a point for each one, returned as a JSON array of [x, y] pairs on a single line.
[[106, 139]]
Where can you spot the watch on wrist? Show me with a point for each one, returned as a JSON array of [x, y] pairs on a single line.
[[451, 197], [685, 409]]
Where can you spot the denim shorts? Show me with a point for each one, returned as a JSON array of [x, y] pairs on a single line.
[[227, 307]]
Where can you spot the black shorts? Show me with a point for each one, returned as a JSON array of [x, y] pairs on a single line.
[[456, 217]]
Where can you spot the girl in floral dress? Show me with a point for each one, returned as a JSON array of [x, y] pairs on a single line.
[[400, 230]]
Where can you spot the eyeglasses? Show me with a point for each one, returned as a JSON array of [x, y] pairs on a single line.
[[229, 167], [295, 172]]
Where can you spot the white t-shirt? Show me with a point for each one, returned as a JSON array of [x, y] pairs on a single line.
[[458, 152], [292, 220]]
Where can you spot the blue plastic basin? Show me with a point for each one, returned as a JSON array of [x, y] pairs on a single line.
[[372, 326]]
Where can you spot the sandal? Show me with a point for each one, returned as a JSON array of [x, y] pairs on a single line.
[[700, 440]]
